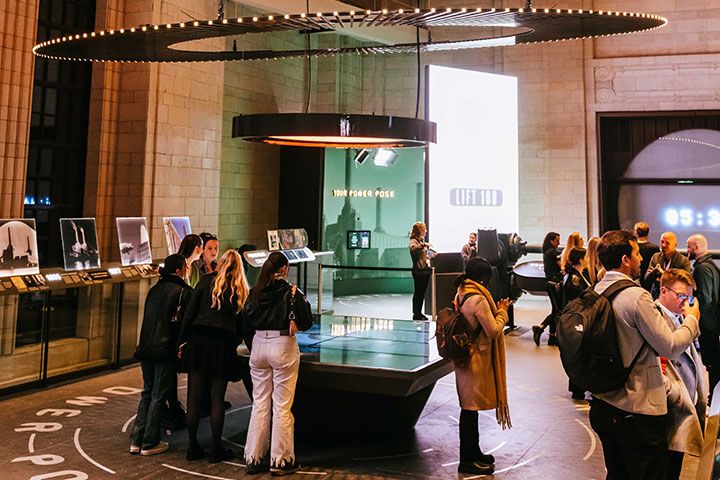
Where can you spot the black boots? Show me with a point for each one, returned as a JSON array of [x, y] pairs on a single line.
[[472, 459]]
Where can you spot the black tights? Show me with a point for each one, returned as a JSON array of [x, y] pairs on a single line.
[[199, 383]]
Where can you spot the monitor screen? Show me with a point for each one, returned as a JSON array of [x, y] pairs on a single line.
[[358, 239]]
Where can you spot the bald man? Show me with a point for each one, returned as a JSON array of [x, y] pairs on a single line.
[[707, 291], [668, 257]]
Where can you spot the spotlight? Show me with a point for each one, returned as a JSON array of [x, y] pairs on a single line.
[[384, 157], [362, 155]]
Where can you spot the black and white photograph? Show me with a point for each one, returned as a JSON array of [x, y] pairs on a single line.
[[134, 241], [18, 244], [80, 243], [273, 240], [176, 228]]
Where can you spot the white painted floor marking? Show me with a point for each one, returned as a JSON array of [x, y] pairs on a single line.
[[593, 442], [494, 449], [31, 443], [503, 470], [311, 473], [238, 409], [194, 473], [454, 419], [127, 424], [236, 464], [233, 443], [393, 456], [86, 456]]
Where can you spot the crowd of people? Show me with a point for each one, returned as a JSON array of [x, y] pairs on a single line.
[[195, 318], [673, 311], [201, 310]]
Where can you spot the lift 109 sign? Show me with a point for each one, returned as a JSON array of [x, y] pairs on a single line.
[[688, 217]]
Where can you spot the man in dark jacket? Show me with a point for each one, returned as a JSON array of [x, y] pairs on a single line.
[[668, 257], [156, 352], [707, 280], [647, 248]]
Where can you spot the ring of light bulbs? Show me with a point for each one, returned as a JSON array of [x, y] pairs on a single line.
[[159, 43]]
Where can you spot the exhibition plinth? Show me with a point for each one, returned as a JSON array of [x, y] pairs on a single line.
[[365, 376]]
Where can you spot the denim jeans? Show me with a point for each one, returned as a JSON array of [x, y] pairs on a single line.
[[274, 365], [157, 380]]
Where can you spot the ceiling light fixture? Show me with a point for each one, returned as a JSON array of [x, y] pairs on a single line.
[[490, 27], [334, 130]]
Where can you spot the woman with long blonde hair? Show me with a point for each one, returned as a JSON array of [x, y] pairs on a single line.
[[595, 270], [575, 239], [212, 328]]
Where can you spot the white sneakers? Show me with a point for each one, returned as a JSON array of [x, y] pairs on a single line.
[[159, 448]]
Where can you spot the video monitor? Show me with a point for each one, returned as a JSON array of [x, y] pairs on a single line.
[[358, 239]]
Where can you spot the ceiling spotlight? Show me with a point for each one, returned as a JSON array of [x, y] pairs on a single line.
[[362, 155], [384, 157]]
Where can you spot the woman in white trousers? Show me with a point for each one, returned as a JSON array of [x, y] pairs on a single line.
[[276, 310]]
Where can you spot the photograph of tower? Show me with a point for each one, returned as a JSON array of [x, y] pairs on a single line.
[[134, 241], [176, 228], [18, 247], [80, 243]]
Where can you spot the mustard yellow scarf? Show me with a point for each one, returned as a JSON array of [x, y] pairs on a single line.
[[502, 411]]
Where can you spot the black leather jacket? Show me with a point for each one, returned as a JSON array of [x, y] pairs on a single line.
[[707, 280], [271, 309], [158, 336], [200, 313]]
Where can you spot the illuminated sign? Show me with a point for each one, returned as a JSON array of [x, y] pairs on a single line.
[[344, 192]]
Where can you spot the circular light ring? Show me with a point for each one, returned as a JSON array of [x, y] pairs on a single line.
[[160, 45], [334, 130]]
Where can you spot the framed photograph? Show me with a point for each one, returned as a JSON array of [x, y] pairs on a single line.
[[80, 243], [273, 240], [176, 228], [134, 240], [18, 247]]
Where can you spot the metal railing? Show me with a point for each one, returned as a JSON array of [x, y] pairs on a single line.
[[433, 291]]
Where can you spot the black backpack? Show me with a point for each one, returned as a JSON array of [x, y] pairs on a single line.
[[588, 341], [453, 333]]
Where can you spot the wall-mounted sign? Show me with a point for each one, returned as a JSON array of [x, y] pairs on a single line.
[[344, 192]]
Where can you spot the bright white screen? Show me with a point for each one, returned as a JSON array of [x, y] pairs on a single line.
[[473, 167]]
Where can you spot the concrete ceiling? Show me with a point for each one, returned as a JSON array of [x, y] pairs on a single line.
[[385, 35]]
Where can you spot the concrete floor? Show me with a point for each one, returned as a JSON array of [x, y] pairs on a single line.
[[550, 438]]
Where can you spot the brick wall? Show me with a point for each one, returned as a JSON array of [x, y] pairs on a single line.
[[155, 136], [250, 171]]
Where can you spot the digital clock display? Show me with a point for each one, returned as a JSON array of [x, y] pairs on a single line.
[[683, 209], [674, 217]]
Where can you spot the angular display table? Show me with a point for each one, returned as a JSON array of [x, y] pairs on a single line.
[[365, 376]]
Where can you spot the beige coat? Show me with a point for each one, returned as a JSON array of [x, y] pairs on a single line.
[[475, 380]]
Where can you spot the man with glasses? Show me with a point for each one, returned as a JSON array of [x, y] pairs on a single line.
[[688, 403], [707, 278]]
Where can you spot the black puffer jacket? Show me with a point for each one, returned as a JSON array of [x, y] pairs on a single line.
[[200, 313], [158, 336], [270, 311], [707, 278]]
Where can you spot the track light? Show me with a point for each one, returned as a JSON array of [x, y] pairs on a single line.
[[384, 157], [362, 155]]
